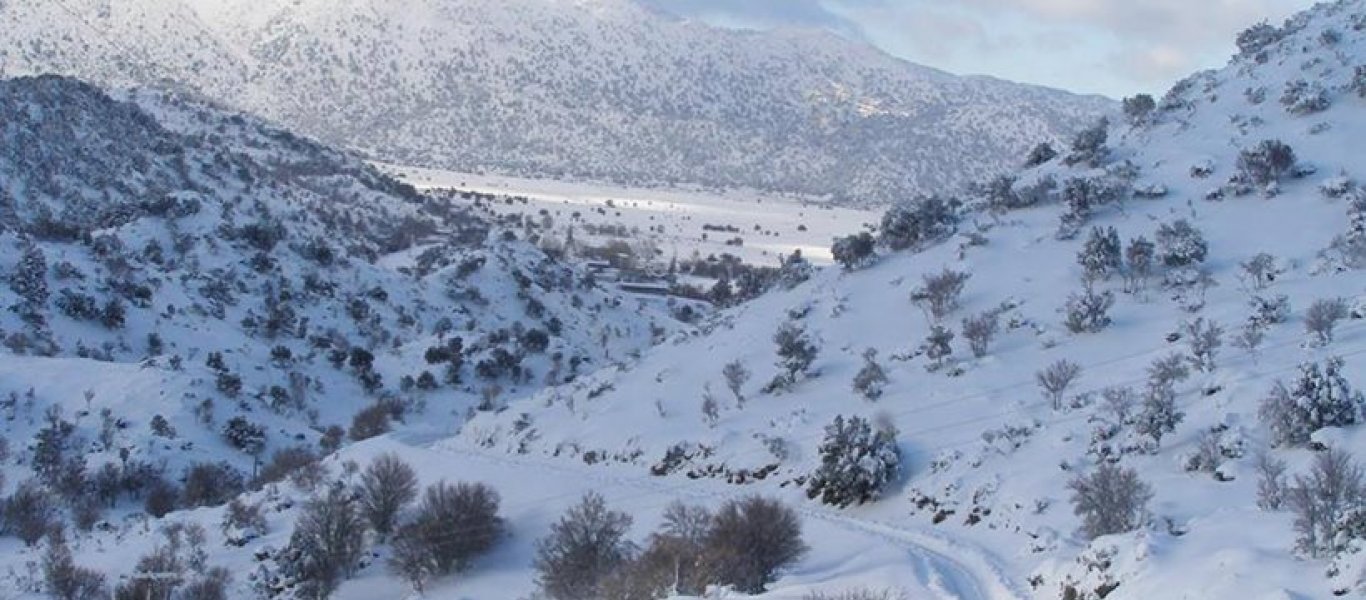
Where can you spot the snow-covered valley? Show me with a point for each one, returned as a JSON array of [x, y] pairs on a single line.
[[238, 363]]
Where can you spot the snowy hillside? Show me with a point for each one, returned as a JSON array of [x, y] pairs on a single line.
[[985, 454], [604, 90], [185, 285]]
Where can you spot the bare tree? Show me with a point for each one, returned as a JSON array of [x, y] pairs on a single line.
[[454, 525], [1056, 379], [940, 292], [387, 485], [751, 540], [65, 580], [736, 377], [1110, 500], [1321, 501], [328, 539], [29, 513], [1259, 271], [1322, 318], [583, 548], [1271, 484], [980, 330]]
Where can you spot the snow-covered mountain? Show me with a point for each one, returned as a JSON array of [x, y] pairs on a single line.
[[605, 90]]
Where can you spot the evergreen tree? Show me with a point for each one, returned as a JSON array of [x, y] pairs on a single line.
[[1320, 397], [857, 463]]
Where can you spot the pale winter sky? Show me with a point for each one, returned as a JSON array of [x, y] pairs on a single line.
[[1112, 47]]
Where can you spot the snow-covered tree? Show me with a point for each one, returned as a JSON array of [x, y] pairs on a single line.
[[1158, 414], [939, 345], [857, 463], [1141, 256], [1101, 255], [1204, 337], [1320, 397], [1040, 154], [853, 251], [913, 224], [796, 352], [1089, 145]]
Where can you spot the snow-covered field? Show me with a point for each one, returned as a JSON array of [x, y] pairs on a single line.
[[770, 225]]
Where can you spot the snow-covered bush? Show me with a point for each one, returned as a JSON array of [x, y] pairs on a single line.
[[245, 435], [1180, 244], [386, 486], [794, 270], [1358, 84], [1254, 40], [853, 251], [1140, 257], [940, 293], [242, 522], [29, 512], [586, 545], [211, 484], [1266, 163], [1057, 379], [870, 380], [1324, 502], [1322, 318], [65, 580], [919, 222], [1040, 154], [1269, 311], [1157, 414], [1204, 339], [1138, 108], [1303, 98], [1320, 397], [1110, 500], [980, 330], [857, 463], [1089, 311], [369, 422], [998, 194], [1088, 146]]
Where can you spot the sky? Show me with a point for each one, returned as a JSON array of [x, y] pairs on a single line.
[[1112, 47]]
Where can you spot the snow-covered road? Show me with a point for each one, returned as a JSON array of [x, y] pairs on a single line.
[[943, 568]]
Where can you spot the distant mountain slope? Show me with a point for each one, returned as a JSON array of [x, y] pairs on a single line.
[[254, 273], [604, 90]]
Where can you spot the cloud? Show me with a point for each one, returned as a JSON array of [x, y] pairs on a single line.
[[1110, 46]]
